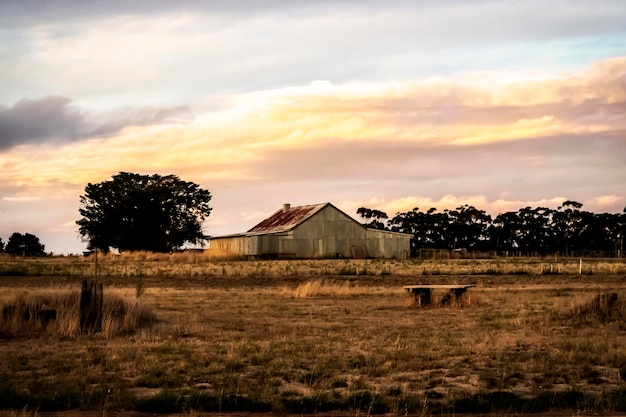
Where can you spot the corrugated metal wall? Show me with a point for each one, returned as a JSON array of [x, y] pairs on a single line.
[[327, 234], [331, 233], [241, 245]]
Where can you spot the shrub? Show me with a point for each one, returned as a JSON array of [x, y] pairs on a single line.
[[14, 271], [602, 308]]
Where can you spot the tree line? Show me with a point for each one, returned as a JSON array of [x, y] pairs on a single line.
[[566, 230], [23, 245], [164, 213]]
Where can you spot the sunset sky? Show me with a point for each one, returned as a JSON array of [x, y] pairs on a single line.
[[384, 104]]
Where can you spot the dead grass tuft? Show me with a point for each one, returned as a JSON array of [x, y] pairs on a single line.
[[317, 288], [181, 257], [56, 314]]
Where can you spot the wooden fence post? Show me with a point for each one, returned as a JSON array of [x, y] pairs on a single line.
[[91, 298]]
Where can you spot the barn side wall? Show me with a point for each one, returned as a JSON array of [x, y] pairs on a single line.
[[383, 244], [329, 233]]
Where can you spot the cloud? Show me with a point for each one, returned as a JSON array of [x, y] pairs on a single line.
[[607, 203], [437, 112], [107, 53], [412, 110], [602, 15], [353, 130], [39, 120], [114, 121], [56, 119], [22, 198], [42, 10]]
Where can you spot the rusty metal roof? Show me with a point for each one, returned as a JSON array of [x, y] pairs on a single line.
[[286, 219]]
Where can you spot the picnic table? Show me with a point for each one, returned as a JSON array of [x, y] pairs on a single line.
[[421, 292]]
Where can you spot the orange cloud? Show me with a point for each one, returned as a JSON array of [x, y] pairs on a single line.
[[227, 145]]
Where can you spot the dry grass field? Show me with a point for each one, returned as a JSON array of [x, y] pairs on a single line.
[[213, 335]]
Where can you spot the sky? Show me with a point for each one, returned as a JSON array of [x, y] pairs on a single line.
[[389, 105]]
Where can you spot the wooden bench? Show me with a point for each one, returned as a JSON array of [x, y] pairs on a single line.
[[421, 293]]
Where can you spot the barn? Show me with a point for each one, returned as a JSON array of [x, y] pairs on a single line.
[[314, 231]]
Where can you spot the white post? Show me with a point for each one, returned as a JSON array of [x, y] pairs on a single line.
[[580, 268]]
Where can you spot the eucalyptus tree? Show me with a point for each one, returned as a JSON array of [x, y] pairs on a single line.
[[601, 232], [535, 232], [373, 218], [505, 232], [468, 227], [567, 224]]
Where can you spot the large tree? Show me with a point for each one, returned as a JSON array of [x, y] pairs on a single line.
[[143, 212], [24, 245]]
